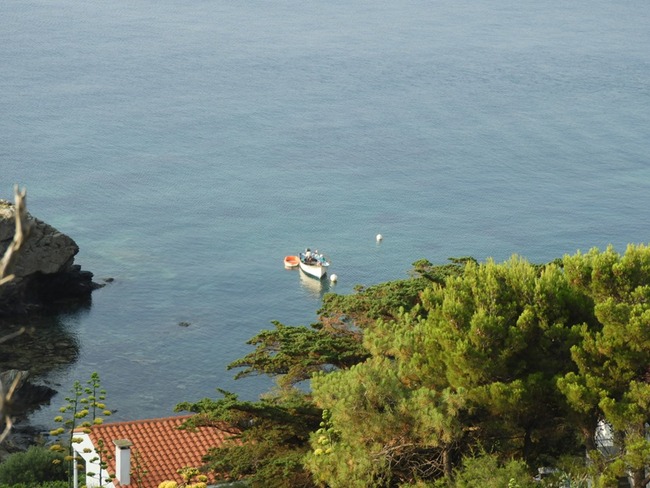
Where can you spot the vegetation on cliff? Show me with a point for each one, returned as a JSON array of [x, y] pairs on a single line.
[[411, 380]]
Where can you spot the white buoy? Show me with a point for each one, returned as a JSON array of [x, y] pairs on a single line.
[[333, 278], [379, 237]]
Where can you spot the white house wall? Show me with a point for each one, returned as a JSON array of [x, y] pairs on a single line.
[[91, 467]]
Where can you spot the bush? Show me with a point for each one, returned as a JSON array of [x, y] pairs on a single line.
[[46, 484], [36, 465], [485, 471]]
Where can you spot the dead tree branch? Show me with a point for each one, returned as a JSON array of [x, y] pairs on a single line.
[[6, 263], [20, 235]]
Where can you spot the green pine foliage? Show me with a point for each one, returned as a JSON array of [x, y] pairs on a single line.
[[271, 441], [293, 354], [612, 380], [474, 363], [385, 300], [502, 336], [487, 471]]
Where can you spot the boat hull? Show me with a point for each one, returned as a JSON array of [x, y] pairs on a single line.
[[291, 261], [313, 264], [317, 271]]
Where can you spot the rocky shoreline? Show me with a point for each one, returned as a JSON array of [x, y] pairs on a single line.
[[44, 269], [32, 342]]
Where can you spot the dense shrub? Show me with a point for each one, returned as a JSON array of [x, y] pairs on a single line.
[[485, 471], [46, 484], [36, 465]]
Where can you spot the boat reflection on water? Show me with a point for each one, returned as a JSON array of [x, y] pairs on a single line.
[[313, 285]]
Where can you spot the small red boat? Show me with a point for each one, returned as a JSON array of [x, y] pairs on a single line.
[[291, 261]]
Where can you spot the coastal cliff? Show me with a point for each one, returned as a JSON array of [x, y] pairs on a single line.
[[45, 274]]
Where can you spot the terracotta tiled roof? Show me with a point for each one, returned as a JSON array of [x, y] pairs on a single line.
[[161, 447]]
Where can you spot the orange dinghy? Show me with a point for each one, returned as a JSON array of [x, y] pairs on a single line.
[[291, 261]]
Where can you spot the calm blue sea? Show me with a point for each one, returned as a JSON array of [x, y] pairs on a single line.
[[188, 146]]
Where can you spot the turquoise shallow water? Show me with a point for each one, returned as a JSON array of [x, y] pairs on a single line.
[[188, 146]]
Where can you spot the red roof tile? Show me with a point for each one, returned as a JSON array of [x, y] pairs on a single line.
[[161, 447]]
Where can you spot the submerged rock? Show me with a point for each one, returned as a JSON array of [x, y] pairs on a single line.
[[26, 396], [44, 269]]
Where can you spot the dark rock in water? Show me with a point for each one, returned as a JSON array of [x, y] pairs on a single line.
[[20, 438], [38, 344], [25, 398], [45, 274], [30, 398]]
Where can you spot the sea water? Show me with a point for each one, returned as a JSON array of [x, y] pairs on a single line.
[[188, 146]]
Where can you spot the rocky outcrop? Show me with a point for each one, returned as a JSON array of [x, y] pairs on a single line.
[[44, 269]]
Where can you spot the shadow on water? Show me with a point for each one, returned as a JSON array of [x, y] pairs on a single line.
[[36, 346], [46, 345], [314, 286]]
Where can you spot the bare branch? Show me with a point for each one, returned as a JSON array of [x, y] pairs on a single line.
[[7, 261], [5, 399], [7, 429], [12, 335], [20, 235]]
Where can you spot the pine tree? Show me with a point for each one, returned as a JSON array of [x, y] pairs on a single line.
[[612, 382], [473, 365]]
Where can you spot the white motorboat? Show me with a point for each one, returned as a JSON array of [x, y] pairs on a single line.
[[314, 263]]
